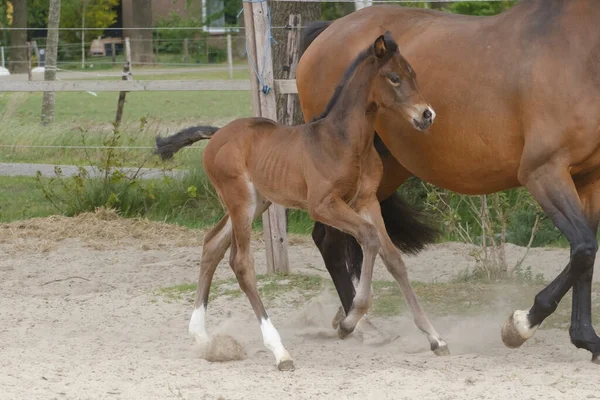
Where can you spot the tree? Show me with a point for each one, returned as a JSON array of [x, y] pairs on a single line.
[[481, 7], [141, 39], [280, 12], [18, 39], [51, 52], [98, 14]]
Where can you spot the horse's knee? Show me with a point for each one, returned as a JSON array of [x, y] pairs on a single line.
[[369, 238], [243, 269], [583, 256]]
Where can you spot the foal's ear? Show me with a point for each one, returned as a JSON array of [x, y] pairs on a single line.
[[380, 47]]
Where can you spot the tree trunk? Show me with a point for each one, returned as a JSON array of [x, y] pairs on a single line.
[[18, 39], [50, 64], [141, 39], [280, 13]]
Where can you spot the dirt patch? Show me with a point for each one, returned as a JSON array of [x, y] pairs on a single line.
[[84, 317]]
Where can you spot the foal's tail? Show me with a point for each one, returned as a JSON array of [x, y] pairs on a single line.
[[167, 146]]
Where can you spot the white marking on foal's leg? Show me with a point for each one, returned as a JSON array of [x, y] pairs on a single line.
[[517, 329], [272, 341], [197, 325]]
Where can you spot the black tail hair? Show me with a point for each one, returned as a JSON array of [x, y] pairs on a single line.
[[167, 146], [405, 226], [310, 33]]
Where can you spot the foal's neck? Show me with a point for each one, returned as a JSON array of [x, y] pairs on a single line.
[[354, 111]]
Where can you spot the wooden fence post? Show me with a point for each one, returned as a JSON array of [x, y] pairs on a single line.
[[229, 56], [293, 44], [113, 52], [186, 51], [264, 104], [34, 46], [126, 77], [29, 60]]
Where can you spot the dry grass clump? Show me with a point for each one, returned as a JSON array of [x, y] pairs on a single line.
[[102, 229]]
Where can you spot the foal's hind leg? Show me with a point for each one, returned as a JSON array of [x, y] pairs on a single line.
[[216, 242], [244, 205], [552, 186], [392, 258]]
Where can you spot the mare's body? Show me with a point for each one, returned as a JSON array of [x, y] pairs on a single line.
[[518, 103]]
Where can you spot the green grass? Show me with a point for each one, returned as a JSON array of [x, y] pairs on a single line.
[[166, 200], [269, 286], [19, 199], [80, 115]]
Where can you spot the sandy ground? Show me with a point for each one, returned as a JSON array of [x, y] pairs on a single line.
[[81, 319]]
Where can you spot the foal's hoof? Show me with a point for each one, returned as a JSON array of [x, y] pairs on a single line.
[[516, 330], [286, 365], [441, 350], [596, 358], [339, 316], [343, 333]]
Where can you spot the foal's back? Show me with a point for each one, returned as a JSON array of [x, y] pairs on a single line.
[[268, 155]]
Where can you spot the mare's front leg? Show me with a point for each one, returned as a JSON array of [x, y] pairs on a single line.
[[576, 216], [392, 259], [334, 212]]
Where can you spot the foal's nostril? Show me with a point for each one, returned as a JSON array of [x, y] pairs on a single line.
[[427, 114]]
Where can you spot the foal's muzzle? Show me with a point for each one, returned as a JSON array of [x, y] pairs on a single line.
[[424, 121]]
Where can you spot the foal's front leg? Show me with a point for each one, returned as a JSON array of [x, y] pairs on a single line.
[[392, 259], [335, 212]]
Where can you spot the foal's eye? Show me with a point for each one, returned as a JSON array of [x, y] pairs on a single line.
[[394, 78]]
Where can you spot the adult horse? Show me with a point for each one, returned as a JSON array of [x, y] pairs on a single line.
[[517, 97]]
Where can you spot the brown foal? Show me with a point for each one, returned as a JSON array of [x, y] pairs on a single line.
[[328, 167]]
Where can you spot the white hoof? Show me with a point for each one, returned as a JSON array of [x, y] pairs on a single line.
[[517, 330]]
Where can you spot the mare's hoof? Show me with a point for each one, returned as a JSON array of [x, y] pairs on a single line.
[[286, 365], [442, 350], [516, 330], [596, 358], [339, 316]]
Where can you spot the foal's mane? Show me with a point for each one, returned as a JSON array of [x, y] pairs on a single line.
[[391, 48]]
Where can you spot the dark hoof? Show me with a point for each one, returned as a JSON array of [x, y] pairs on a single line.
[[442, 350], [596, 358], [286, 365]]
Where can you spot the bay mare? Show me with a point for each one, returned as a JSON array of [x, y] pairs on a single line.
[[518, 102], [328, 167]]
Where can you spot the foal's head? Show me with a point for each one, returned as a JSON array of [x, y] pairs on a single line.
[[395, 86]]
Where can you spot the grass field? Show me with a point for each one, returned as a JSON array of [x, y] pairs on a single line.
[[83, 118]]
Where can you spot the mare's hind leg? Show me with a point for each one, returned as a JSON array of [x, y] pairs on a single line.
[[552, 186], [216, 242], [244, 205], [392, 258]]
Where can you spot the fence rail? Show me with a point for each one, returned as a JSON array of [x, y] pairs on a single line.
[[283, 86]]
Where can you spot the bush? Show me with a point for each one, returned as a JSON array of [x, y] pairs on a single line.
[[191, 200]]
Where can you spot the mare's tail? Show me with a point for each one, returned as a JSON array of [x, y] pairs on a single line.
[[310, 33], [167, 146]]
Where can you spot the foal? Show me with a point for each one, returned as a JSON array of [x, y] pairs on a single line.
[[328, 167]]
